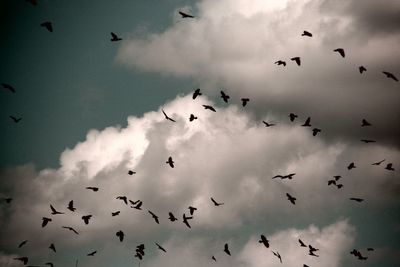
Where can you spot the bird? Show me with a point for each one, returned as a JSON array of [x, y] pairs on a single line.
[[216, 203], [123, 198], [390, 75], [311, 248], [92, 253], [213, 258], [307, 122], [306, 33], [166, 116], [52, 247], [48, 25], [196, 93], [277, 255], [364, 123], [116, 213], [280, 62], [71, 206], [292, 116], [185, 220], [339, 186], [8, 87], [139, 251], [340, 51], [264, 241], [171, 217], [311, 253], [389, 167], [120, 235], [54, 211], [245, 101], [7, 200], [362, 69], [378, 163], [95, 189], [287, 176], [22, 243], [23, 259], [138, 205], [268, 124], [16, 120], [226, 249], [370, 249], [160, 247], [302, 243], [224, 96], [291, 198], [367, 141], [45, 221], [170, 162], [131, 172], [71, 229], [351, 166], [209, 107], [191, 210], [155, 217], [185, 15], [337, 177], [86, 218], [114, 37], [315, 131], [357, 199], [192, 117], [297, 60]]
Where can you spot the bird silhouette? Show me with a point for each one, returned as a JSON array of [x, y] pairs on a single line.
[[192, 117], [292, 116], [185, 15], [186, 220], [155, 217], [311, 248], [390, 75], [22, 243], [8, 87], [71, 206], [131, 172], [340, 51], [171, 217], [307, 122], [114, 37], [209, 107], [24, 260], [170, 162], [48, 25], [45, 221], [71, 229], [306, 33], [280, 62], [160, 247], [124, 199], [362, 69], [364, 123], [367, 141], [226, 249], [315, 131], [196, 93], [370, 249], [166, 116], [16, 120], [86, 218], [339, 186], [91, 254], [116, 213], [352, 165], [330, 182], [277, 255], [139, 251], [245, 101], [224, 96], [389, 167], [287, 176], [120, 235], [264, 241], [357, 199], [268, 124], [8, 200], [378, 163], [95, 189], [52, 247], [291, 198], [302, 243], [297, 60], [191, 210], [213, 258], [54, 211], [311, 253], [138, 205], [216, 203]]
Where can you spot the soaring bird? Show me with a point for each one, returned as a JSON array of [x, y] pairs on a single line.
[[389, 167], [16, 120], [352, 165], [226, 249], [138, 205], [95, 189], [48, 25], [170, 162], [23, 259], [302, 243], [264, 241], [22, 243], [364, 123], [131, 172], [160, 247], [120, 235], [292, 116], [216, 203], [277, 255], [280, 62], [92, 253], [268, 124], [185, 15], [8, 200], [114, 37], [185, 220], [191, 210], [291, 198], [86, 218], [45, 221], [192, 117], [166, 116], [71, 206], [52, 247], [390, 75], [367, 141], [311, 248], [171, 217], [116, 213], [209, 107], [196, 93], [245, 101], [340, 51], [213, 258], [307, 122], [71, 229], [378, 163], [330, 182], [123, 198], [155, 217], [8, 87], [311, 253], [362, 69], [297, 60], [54, 211], [315, 131], [306, 33], [224, 96], [357, 199]]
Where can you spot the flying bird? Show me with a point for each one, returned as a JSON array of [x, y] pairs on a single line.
[[86, 218], [191, 210], [71, 229], [171, 217], [315, 131], [166, 116], [362, 69], [268, 124], [8, 87], [155, 217], [216, 203], [378, 163], [226, 249], [224, 96], [245, 101], [264, 241], [8, 200], [116, 213], [92, 253], [351, 166], [213, 258], [196, 93], [297, 60], [302, 243], [364, 123], [390, 75], [306, 33], [291, 198], [192, 117], [292, 116], [367, 141], [185, 220], [277, 255], [48, 25], [160, 247], [22, 243], [16, 120], [131, 172], [307, 122], [95, 189], [138, 205], [45, 221], [170, 162], [71, 206], [340, 51], [23, 259], [114, 37], [120, 235], [54, 211], [357, 199], [389, 167], [280, 62], [123, 198], [185, 15], [209, 107], [52, 247]]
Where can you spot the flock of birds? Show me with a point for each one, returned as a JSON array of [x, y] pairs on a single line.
[[137, 204]]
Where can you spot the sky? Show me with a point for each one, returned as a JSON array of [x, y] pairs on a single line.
[[92, 110]]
